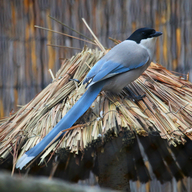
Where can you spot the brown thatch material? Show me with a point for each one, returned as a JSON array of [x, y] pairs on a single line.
[[165, 112], [167, 108]]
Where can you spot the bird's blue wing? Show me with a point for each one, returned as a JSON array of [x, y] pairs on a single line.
[[94, 70], [121, 68], [108, 69], [105, 70]]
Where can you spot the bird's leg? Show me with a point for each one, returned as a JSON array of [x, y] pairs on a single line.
[[132, 94], [76, 80]]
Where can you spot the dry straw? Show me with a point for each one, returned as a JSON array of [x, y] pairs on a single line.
[[166, 108]]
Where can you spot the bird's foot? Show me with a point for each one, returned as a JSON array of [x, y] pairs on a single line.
[[76, 80], [132, 95]]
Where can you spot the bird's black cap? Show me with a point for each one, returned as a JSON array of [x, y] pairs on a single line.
[[144, 33]]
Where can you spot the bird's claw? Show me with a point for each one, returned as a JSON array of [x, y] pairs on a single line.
[[133, 96]]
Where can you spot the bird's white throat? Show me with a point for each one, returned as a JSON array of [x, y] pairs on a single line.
[[149, 44]]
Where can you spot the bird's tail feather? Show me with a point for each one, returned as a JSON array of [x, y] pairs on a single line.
[[66, 122]]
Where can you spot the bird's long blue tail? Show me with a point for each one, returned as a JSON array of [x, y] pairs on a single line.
[[66, 122]]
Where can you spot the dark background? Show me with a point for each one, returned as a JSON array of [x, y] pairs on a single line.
[[25, 57]]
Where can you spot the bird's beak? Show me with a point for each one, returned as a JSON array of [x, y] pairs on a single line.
[[156, 34]]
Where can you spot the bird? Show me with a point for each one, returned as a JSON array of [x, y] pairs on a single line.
[[123, 64]]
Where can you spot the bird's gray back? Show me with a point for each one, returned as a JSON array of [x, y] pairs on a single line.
[[128, 53]]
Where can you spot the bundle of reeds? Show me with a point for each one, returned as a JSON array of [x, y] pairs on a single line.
[[165, 109]]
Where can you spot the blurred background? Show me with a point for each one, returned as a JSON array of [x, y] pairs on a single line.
[[25, 57]]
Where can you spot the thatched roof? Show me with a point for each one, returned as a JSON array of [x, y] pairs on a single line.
[[165, 111]]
